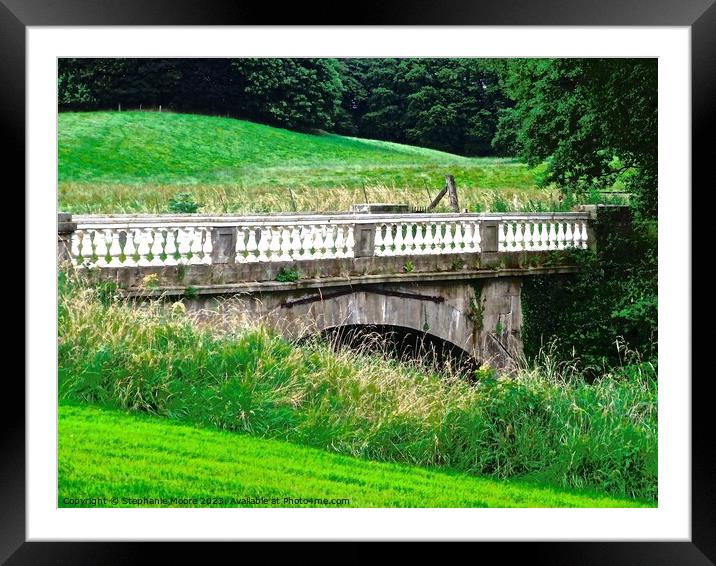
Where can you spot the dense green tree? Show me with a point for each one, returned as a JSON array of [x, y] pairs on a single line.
[[108, 83], [300, 94], [595, 120], [447, 104]]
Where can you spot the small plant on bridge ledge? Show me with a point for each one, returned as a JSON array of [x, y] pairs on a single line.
[[499, 328], [184, 203], [287, 275], [457, 264], [408, 266]]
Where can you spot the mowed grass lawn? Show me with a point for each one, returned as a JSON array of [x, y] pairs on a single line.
[[137, 161], [108, 453]]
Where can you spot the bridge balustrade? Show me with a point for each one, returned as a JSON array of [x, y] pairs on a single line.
[[165, 240]]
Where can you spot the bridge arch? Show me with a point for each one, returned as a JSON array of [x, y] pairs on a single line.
[[417, 311], [403, 344]]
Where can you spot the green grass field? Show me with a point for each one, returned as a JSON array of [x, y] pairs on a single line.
[[107, 453], [136, 161]]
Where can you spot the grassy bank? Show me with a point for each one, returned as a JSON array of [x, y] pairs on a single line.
[[138, 161], [107, 453], [544, 424]]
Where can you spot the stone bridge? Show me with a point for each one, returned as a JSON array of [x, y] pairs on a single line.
[[454, 276]]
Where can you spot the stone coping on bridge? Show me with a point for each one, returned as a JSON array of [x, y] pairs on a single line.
[[231, 219]]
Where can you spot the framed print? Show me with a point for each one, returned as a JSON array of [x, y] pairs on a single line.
[[391, 279]]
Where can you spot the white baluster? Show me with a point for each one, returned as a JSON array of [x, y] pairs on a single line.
[[171, 248], [75, 240], [116, 250], [544, 237], [552, 237], [509, 237], [476, 237], [329, 242], [157, 247], [183, 243], [467, 229], [143, 242], [240, 248], [252, 246], [529, 226], [578, 235], [560, 236], [378, 240], [388, 239], [340, 241], [398, 241], [519, 238], [459, 239], [130, 249], [419, 240], [262, 246], [583, 236], [102, 242], [448, 241], [501, 238], [207, 245], [285, 244], [350, 242], [437, 239], [85, 247], [306, 242], [318, 245], [296, 243], [409, 241], [275, 244], [568, 236]]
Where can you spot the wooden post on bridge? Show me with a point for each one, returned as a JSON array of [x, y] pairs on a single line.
[[451, 189], [452, 193]]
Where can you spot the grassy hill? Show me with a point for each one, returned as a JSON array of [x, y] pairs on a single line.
[[107, 453], [137, 161]]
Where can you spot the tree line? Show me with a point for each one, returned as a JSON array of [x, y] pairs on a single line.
[[592, 120]]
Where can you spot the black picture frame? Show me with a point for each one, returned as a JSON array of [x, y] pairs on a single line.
[[699, 15]]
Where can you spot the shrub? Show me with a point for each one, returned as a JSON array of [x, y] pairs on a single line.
[[183, 203]]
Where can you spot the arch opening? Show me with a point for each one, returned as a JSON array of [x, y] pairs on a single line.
[[403, 344]]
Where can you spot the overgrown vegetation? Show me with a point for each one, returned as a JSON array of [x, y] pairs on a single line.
[[608, 307], [545, 424]]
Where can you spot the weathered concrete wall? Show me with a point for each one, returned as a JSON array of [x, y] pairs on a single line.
[[485, 320]]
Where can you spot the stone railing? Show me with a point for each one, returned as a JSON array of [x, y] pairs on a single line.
[[165, 240]]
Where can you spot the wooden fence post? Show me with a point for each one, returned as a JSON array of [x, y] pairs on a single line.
[[452, 192]]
